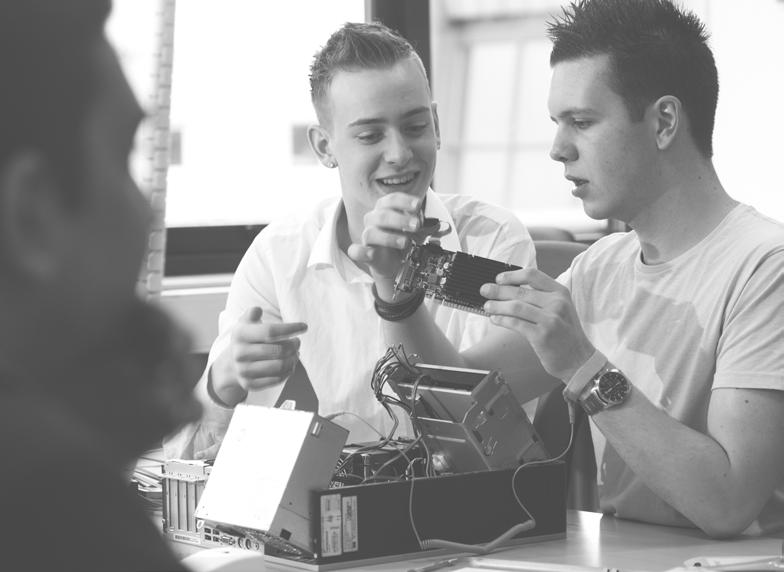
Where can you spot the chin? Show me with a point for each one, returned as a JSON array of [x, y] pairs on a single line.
[[595, 212]]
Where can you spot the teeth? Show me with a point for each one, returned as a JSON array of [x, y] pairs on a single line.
[[398, 180]]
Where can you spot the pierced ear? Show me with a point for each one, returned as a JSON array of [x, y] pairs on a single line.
[[31, 216], [667, 110], [319, 140], [434, 107]]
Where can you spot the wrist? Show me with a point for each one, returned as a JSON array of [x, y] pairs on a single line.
[[222, 386], [579, 380], [386, 292], [399, 309], [609, 388]]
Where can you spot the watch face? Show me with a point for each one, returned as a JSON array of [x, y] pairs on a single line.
[[613, 386]]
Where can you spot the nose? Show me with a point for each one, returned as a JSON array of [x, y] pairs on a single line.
[[397, 151], [562, 149]]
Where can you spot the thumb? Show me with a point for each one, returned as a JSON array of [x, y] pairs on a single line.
[[253, 314], [360, 253]]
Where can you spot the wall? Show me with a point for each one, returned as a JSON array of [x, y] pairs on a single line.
[[748, 43]]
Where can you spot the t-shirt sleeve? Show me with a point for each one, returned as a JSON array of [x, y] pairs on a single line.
[[751, 347], [514, 245]]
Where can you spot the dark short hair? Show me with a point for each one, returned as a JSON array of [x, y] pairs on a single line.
[[47, 68], [655, 49], [354, 47]]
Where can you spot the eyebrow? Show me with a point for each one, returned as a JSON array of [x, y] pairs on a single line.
[[373, 120], [573, 111]]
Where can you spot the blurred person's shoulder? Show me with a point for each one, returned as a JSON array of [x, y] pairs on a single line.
[[60, 476]]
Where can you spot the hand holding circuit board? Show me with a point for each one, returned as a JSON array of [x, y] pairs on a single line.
[[399, 243], [451, 278]]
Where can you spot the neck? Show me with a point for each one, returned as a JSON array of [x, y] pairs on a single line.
[[690, 205], [349, 231]]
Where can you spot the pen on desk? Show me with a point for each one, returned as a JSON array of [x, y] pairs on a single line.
[[437, 565]]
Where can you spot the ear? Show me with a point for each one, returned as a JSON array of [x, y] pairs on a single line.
[[320, 141], [667, 112], [434, 107], [32, 222]]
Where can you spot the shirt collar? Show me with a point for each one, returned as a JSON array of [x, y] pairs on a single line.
[[325, 249]]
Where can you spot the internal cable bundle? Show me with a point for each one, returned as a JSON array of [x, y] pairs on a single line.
[[391, 365], [396, 366], [393, 361]]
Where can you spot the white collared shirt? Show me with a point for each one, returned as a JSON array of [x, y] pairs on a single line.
[[296, 272]]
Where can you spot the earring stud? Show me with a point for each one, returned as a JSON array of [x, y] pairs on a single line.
[[332, 164]]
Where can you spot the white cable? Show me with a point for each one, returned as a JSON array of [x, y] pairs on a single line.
[[511, 533]]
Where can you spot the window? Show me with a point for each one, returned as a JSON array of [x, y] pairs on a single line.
[[241, 107], [240, 102], [491, 81]]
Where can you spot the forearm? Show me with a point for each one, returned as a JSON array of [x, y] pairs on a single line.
[[688, 469], [418, 333], [202, 438]]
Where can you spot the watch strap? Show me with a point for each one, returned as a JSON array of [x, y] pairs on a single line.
[[592, 403], [583, 376], [396, 311]]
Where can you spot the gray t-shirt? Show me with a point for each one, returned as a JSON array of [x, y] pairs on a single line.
[[711, 318]]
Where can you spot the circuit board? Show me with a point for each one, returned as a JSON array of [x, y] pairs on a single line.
[[451, 278]]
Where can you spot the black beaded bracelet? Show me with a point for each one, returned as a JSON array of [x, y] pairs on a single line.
[[396, 311]]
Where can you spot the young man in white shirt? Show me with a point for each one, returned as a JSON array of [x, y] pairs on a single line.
[[301, 305]]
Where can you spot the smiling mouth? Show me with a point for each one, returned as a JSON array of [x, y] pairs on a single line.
[[398, 180]]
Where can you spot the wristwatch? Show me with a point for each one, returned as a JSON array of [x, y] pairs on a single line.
[[608, 388]]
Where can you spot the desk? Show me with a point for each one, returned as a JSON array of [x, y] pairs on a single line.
[[593, 540]]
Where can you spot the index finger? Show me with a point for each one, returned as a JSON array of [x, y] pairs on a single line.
[[270, 332], [286, 331], [532, 277]]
